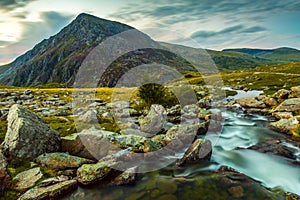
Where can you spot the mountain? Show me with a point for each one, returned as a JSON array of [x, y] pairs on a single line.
[[59, 58], [279, 55]]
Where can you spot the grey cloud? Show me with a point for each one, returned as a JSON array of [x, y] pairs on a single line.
[[7, 5], [206, 34], [254, 29]]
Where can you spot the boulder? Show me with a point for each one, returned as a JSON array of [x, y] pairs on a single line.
[[91, 173], [289, 105], [89, 116], [282, 94], [154, 121], [5, 180], [27, 179], [91, 143], [282, 115], [199, 151], [28, 136], [251, 102], [295, 92], [50, 192], [61, 161]]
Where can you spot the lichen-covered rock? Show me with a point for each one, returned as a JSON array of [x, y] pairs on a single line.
[[199, 151], [289, 105], [290, 126], [61, 161], [282, 115], [50, 192], [154, 121], [91, 173], [5, 180], [27, 179], [28, 136]]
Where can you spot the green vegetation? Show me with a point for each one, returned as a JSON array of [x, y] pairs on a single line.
[[156, 94]]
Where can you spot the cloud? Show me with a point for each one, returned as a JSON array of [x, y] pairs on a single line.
[[254, 29], [206, 34], [8, 5], [35, 32]]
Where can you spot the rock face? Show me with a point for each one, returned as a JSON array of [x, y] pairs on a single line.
[[200, 150], [289, 105], [154, 121], [92, 173], [27, 179], [28, 136], [50, 192], [61, 161], [5, 180]]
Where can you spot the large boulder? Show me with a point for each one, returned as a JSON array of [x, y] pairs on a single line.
[[27, 179], [5, 180], [154, 121], [61, 161], [28, 136], [289, 105], [200, 150], [50, 192], [290, 126]]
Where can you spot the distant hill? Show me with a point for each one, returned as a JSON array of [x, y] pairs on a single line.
[[279, 55]]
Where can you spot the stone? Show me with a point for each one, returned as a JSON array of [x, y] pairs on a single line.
[[251, 102], [236, 191], [28, 136], [89, 116], [289, 105], [92, 143], [53, 180], [271, 102], [50, 192], [180, 131], [154, 121], [5, 179], [91, 173], [61, 161], [128, 177], [282, 115], [136, 132], [200, 150], [295, 92], [282, 94], [286, 125], [27, 179]]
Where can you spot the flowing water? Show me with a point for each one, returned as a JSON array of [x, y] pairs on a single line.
[[200, 181]]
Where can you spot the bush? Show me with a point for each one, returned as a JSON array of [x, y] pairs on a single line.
[[153, 93]]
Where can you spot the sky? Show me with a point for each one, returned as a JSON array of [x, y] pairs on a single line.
[[211, 24]]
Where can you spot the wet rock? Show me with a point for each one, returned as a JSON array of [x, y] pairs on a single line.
[[127, 177], [199, 151], [251, 102], [5, 180], [91, 173], [61, 161], [50, 192], [27, 179], [154, 121], [295, 92], [28, 136], [274, 148], [289, 105]]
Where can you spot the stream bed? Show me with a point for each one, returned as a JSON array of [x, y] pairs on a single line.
[[202, 181]]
